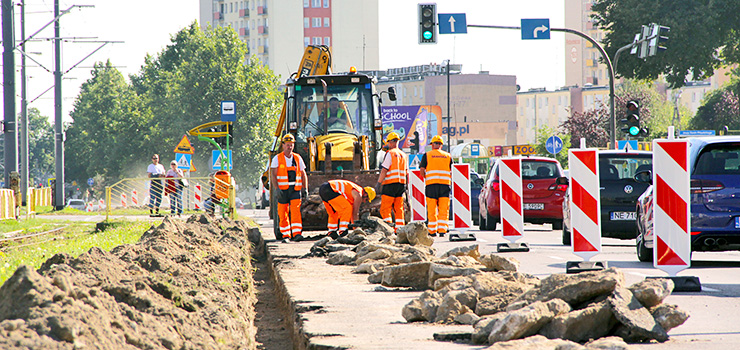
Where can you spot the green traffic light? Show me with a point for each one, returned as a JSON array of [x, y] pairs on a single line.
[[634, 130], [427, 34]]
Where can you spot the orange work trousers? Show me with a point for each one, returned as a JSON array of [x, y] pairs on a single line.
[[438, 211], [340, 214], [390, 204], [291, 224]]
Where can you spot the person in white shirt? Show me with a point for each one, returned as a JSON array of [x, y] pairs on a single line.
[[155, 171]]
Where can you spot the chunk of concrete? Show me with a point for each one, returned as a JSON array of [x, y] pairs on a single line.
[[608, 343], [342, 257], [438, 271], [637, 320], [379, 254], [471, 251], [652, 291], [414, 275], [537, 342], [495, 262], [575, 288], [526, 321], [482, 328], [669, 316], [592, 322], [467, 318], [414, 233]]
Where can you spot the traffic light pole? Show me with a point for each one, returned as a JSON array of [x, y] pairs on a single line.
[[610, 68]]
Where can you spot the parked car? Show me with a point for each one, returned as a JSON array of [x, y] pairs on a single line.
[[714, 165], [262, 197], [78, 204], [543, 198], [619, 193], [476, 184]]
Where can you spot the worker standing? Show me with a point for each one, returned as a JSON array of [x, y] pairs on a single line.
[[342, 200], [288, 171], [436, 170], [393, 179]]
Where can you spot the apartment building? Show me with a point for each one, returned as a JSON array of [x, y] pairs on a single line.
[[277, 31]]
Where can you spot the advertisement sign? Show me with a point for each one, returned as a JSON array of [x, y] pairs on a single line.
[[404, 120]]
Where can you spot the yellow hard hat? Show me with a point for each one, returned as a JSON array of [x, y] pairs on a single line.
[[288, 138], [370, 193], [437, 139], [392, 136]]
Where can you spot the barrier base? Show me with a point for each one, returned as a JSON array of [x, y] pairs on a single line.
[[684, 283], [460, 236], [512, 247], [584, 266]]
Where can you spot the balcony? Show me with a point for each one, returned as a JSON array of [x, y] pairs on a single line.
[[592, 63], [244, 13], [261, 10], [243, 31], [262, 30], [260, 49], [218, 16]]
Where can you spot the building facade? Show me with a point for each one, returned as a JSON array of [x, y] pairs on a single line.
[[277, 31], [581, 57]]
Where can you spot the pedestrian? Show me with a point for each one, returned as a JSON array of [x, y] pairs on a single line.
[[436, 171], [155, 171], [288, 172], [174, 188], [393, 179], [342, 200]]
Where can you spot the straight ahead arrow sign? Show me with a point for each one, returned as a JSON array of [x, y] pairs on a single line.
[[452, 23]]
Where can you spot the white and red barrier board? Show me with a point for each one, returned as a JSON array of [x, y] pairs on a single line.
[[511, 199], [134, 197], [198, 197], [585, 202], [124, 202], [461, 197], [672, 209], [418, 198]]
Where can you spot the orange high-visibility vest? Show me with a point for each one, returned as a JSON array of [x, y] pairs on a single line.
[[438, 169], [283, 169], [345, 188], [397, 172]]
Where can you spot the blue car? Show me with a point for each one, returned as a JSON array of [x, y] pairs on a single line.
[[476, 183], [714, 163]]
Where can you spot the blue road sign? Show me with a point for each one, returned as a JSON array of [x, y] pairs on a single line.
[[452, 23], [414, 160], [228, 111], [90, 182], [554, 144], [216, 160], [475, 150], [535, 28], [630, 145], [684, 133], [183, 160]]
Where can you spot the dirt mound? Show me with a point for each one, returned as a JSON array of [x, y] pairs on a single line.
[[184, 285]]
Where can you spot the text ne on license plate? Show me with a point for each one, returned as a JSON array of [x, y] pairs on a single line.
[[623, 215]]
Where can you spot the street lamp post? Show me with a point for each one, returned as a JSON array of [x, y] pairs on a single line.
[[447, 71]]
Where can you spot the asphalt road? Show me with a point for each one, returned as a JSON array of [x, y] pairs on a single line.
[[715, 311]]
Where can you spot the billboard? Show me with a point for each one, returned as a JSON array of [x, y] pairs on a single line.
[[404, 120]]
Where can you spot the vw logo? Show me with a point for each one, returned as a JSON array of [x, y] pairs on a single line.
[[628, 189], [530, 186]]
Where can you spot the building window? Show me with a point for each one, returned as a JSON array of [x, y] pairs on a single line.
[[326, 4], [316, 3], [306, 3], [415, 91], [421, 92], [326, 22], [306, 40], [317, 40], [317, 22], [327, 41], [306, 22]]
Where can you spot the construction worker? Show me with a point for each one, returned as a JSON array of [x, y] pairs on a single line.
[[436, 170], [393, 179], [342, 200], [288, 171]]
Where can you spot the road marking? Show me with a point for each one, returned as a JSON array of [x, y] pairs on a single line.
[[637, 274], [556, 257], [707, 289]]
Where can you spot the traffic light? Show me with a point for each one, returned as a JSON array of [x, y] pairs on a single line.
[[427, 23], [659, 36], [631, 122], [415, 145]]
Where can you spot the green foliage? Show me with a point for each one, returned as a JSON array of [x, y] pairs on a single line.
[[703, 36], [543, 133], [118, 126], [719, 108], [40, 146]]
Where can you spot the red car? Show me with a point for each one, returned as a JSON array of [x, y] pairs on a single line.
[[543, 198]]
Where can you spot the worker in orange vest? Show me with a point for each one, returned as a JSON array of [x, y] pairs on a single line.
[[436, 170], [288, 172], [342, 200], [393, 179]]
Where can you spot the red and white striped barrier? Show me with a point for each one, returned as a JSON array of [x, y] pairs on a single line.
[[124, 202], [585, 202], [89, 207], [101, 204], [511, 199], [462, 220], [672, 209], [198, 197], [418, 197], [134, 198]]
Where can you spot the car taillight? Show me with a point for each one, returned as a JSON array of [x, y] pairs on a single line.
[[556, 187], [495, 185], [705, 186]]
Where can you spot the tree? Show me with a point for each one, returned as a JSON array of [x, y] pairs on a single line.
[[703, 36], [593, 125], [720, 108], [543, 133], [40, 146]]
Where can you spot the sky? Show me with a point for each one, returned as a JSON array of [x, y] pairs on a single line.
[[145, 27]]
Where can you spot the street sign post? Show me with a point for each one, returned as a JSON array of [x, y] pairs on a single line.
[[90, 181], [184, 146], [216, 157], [183, 160], [414, 160], [554, 144], [629, 145], [686, 133], [452, 23], [535, 28]]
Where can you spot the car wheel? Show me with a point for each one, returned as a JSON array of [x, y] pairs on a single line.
[[566, 236], [491, 222], [557, 225], [481, 222], [475, 218], [644, 253]]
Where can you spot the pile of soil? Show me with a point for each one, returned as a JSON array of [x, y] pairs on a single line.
[[184, 285]]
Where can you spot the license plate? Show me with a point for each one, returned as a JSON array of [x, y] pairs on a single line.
[[623, 215], [737, 222], [534, 206]]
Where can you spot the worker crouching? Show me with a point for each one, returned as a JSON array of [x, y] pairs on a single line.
[[342, 200]]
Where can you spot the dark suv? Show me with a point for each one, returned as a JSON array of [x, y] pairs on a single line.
[[543, 198], [619, 193]]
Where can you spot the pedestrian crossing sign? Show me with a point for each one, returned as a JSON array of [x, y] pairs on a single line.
[[414, 161], [183, 160], [216, 160]]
